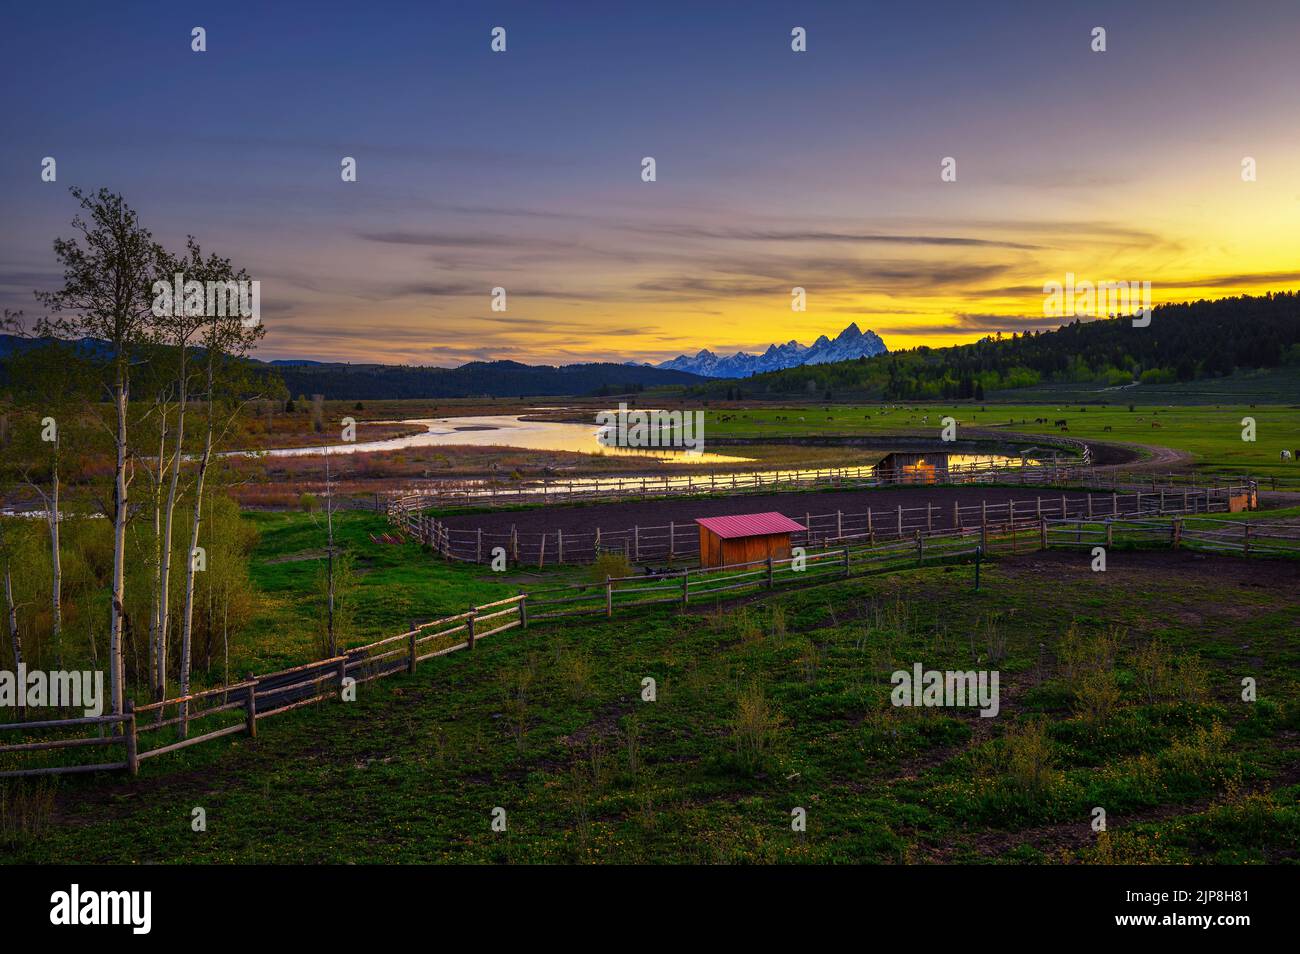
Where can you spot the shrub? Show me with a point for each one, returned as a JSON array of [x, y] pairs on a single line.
[[1096, 695], [1163, 677], [746, 626], [609, 563], [1026, 759], [756, 727], [778, 622]]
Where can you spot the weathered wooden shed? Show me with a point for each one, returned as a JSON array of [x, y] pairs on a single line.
[[745, 538], [902, 467]]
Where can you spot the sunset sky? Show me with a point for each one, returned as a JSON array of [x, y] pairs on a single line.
[[775, 169]]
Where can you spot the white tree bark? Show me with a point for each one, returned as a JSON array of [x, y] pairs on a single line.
[[15, 641], [117, 670]]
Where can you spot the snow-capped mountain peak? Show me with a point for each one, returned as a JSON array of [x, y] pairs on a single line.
[[849, 344]]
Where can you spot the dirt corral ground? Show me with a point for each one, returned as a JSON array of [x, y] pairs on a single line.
[[833, 513]]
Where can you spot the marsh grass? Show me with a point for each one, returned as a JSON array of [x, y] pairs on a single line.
[[26, 806]]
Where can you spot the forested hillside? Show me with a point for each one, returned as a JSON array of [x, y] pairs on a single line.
[[1183, 342]]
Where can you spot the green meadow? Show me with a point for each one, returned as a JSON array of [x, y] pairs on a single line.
[[1119, 691], [1212, 434]]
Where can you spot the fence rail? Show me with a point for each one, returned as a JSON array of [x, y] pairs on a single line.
[[489, 493], [237, 708], [679, 541]]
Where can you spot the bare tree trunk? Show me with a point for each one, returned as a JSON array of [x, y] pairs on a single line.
[[188, 619], [164, 582], [157, 660], [15, 641], [225, 636], [329, 523], [56, 572], [118, 609]]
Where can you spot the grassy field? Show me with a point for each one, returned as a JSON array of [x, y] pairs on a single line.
[[394, 584], [1211, 434], [1118, 690]]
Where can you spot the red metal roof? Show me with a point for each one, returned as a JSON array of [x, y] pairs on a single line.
[[749, 525]]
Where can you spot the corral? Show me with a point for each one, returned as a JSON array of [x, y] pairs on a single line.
[[664, 529]]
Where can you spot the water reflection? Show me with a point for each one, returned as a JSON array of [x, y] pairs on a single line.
[[507, 430]]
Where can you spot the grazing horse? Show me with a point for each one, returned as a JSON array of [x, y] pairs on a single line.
[[1286, 455]]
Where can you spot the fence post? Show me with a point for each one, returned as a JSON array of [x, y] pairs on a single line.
[[250, 710], [956, 515], [846, 562], [1245, 539], [929, 517], [541, 551], [132, 751], [839, 523], [609, 597], [900, 521], [473, 610], [1176, 532], [1042, 532], [686, 587], [410, 660], [984, 537], [672, 538], [920, 548], [478, 558], [523, 611], [636, 543], [871, 532], [1110, 533], [1114, 504], [769, 571], [1090, 505], [559, 546]]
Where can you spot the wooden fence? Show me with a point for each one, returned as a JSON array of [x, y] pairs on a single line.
[[677, 541], [237, 708], [487, 493], [1260, 538]]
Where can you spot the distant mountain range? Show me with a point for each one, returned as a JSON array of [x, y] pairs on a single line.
[[848, 345], [337, 380], [476, 379]]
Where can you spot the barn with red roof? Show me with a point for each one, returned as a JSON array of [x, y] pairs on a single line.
[[745, 538]]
